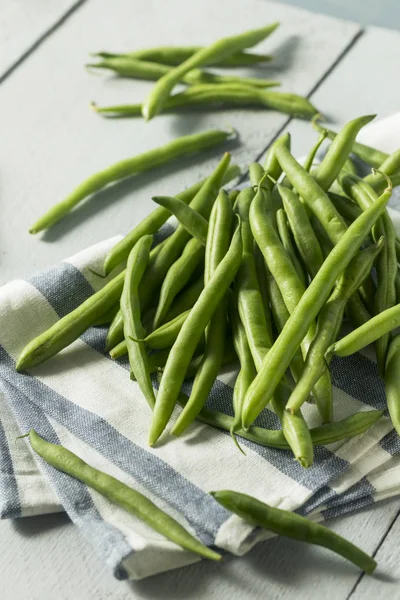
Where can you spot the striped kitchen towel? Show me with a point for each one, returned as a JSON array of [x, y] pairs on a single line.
[[87, 402]]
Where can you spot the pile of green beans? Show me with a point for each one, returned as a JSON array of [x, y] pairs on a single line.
[[265, 276], [169, 66], [250, 509]]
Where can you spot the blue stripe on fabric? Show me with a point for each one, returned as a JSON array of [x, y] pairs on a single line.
[[358, 377], [73, 494], [359, 490], [322, 496], [199, 508], [10, 506], [391, 443]]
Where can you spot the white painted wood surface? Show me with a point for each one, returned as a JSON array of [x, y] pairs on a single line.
[[24, 23], [52, 143]]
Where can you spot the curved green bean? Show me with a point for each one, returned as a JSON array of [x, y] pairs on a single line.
[[392, 382], [279, 357], [130, 166], [191, 220], [292, 525], [166, 335], [217, 246], [215, 52], [190, 334], [309, 161], [118, 493], [130, 309]]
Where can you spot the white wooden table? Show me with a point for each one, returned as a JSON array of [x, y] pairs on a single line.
[[50, 141]]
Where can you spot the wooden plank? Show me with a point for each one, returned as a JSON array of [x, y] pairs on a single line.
[[54, 141], [24, 24]]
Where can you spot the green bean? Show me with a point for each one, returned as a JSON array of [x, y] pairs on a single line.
[[263, 285], [215, 52], [387, 266], [349, 166], [291, 287], [174, 55], [67, 329], [210, 95], [130, 166], [115, 333], [323, 435], [389, 167], [379, 183], [380, 325], [280, 355], [118, 493], [303, 232], [271, 163], [256, 173], [154, 221], [107, 317], [292, 525], [250, 303], [309, 161], [191, 220], [127, 66], [190, 334], [186, 299], [339, 151], [286, 238], [177, 277], [166, 335], [202, 203], [348, 209], [392, 382], [130, 309], [330, 320], [217, 246], [371, 156]]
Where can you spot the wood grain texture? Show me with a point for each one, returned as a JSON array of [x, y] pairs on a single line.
[[24, 24]]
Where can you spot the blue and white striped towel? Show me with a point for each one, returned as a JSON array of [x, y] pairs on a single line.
[[87, 402]]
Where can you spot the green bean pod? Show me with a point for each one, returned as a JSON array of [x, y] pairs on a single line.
[[186, 299], [292, 525], [256, 173], [128, 66], [130, 309], [271, 164], [166, 335], [215, 52], [389, 167], [280, 355], [371, 156], [286, 238], [303, 232], [339, 151], [329, 322], [190, 334], [310, 158], [118, 493], [175, 55], [67, 329], [217, 246], [130, 166], [191, 220], [115, 333], [348, 209], [263, 285], [202, 203], [392, 382], [177, 277], [152, 223]]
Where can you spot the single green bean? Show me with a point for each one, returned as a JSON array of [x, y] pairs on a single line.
[[280, 355], [177, 277], [256, 173], [107, 317], [303, 232], [371, 156], [130, 166], [217, 246], [263, 285], [190, 334], [330, 320], [215, 52], [175, 55], [67, 329], [166, 335], [115, 333], [289, 524], [202, 203], [392, 382], [186, 299], [339, 151], [191, 220], [286, 238], [348, 209], [118, 493], [380, 325], [154, 221], [310, 158], [271, 163], [127, 66], [130, 309], [389, 167]]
